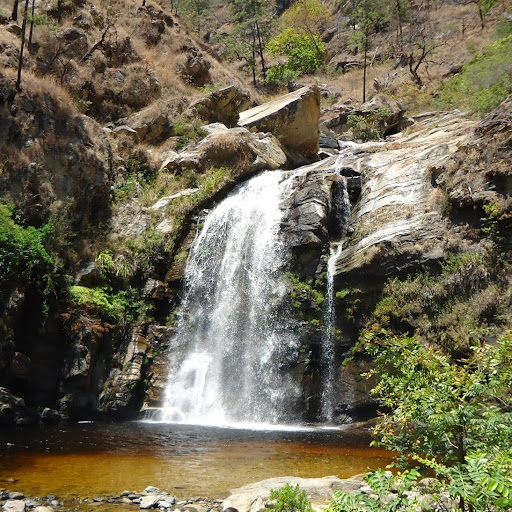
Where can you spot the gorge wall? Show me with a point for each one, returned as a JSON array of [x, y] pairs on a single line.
[[104, 345]]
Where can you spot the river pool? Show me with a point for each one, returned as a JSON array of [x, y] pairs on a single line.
[[86, 460]]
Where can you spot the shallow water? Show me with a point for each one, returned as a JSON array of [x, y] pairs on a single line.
[[97, 459]]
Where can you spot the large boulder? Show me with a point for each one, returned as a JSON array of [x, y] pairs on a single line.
[[12, 408], [252, 497], [237, 148], [222, 106], [380, 116], [293, 118], [152, 124], [194, 68]]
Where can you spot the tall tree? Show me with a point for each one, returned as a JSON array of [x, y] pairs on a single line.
[[22, 48], [253, 26], [196, 11], [307, 17], [367, 18]]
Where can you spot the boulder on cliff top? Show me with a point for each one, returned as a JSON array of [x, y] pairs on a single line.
[[236, 148], [293, 118], [252, 497], [152, 124]]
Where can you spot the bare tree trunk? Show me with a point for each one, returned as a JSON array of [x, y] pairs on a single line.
[[14, 14], [253, 62], [23, 32], [481, 15], [31, 25], [365, 49], [260, 51]]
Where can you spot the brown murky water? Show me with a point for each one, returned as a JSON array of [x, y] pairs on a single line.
[[89, 460]]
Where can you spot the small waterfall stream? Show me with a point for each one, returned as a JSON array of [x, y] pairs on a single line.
[[328, 335]]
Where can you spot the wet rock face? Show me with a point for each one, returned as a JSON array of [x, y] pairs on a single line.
[[293, 118]]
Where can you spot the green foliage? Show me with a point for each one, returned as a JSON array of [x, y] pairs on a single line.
[[457, 304], [390, 493], [196, 11], [370, 124], [453, 417], [304, 54], [290, 499], [490, 224], [485, 81], [123, 306], [188, 130], [440, 408], [307, 17], [24, 260]]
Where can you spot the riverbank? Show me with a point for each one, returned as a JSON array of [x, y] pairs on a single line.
[[150, 498]]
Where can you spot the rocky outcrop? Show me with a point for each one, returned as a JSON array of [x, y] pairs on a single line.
[[314, 212], [237, 148], [292, 118], [221, 106], [383, 115], [194, 68], [35, 178], [12, 408], [254, 497], [152, 124], [398, 221]]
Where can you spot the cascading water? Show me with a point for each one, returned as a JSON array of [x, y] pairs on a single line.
[[241, 342], [328, 334], [231, 318]]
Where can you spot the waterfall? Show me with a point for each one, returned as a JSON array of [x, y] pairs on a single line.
[[328, 335], [231, 322]]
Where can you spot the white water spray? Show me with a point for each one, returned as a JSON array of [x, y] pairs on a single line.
[[231, 318]]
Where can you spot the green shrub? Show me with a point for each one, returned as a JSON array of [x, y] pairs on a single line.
[[304, 52], [24, 260], [370, 124], [453, 417], [290, 499], [485, 80], [390, 494], [123, 306]]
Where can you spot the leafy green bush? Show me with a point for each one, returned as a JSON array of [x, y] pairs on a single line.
[[390, 493], [304, 52], [290, 499], [485, 81], [122, 306], [24, 260], [450, 416]]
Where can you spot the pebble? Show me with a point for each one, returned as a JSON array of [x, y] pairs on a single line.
[[43, 508], [150, 498], [16, 495]]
